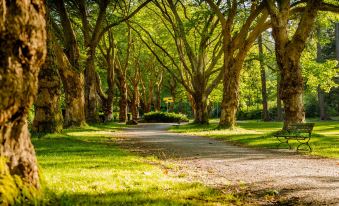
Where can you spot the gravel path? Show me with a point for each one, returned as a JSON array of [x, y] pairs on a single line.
[[313, 180]]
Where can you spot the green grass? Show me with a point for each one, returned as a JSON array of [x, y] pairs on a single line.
[[85, 167], [324, 141]]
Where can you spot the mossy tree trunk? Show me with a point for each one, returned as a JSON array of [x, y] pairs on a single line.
[[22, 51], [48, 116]]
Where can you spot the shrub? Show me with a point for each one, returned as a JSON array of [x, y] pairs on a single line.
[[164, 117]]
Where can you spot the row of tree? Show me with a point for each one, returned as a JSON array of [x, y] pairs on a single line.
[[142, 48]]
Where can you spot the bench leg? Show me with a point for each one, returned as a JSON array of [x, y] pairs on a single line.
[[304, 142], [283, 141]]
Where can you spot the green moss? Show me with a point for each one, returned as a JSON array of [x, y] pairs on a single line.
[[13, 191]]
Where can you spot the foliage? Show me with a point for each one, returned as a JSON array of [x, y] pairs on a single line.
[[164, 117]]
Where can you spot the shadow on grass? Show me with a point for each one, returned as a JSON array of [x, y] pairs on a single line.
[[150, 197]]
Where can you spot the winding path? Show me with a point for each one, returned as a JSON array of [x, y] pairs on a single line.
[[216, 163]]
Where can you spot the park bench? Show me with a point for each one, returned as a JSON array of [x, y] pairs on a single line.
[[299, 131]]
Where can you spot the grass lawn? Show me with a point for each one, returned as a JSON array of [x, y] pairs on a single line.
[[85, 167], [324, 141]]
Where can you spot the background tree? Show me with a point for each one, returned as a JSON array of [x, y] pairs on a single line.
[[48, 116], [192, 55], [288, 49]]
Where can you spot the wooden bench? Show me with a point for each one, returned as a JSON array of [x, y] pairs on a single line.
[[299, 131]]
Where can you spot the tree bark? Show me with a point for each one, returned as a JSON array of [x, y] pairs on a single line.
[[73, 84], [321, 94], [230, 101], [288, 53], [22, 52], [48, 116], [135, 103], [123, 101], [291, 89], [158, 92], [91, 101], [279, 106], [69, 70], [321, 100], [265, 114], [200, 108]]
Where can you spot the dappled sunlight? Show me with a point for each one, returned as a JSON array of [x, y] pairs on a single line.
[[324, 141], [86, 168]]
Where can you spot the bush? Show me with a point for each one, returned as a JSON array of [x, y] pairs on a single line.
[[164, 117]]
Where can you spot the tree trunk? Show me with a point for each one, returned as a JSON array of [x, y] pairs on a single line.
[[321, 93], [279, 107], [291, 91], [135, 103], [149, 100], [158, 99], [321, 100], [265, 114], [108, 106], [48, 116], [288, 52], [200, 108], [22, 51], [91, 100], [230, 101], [123, 97], [73, 85]]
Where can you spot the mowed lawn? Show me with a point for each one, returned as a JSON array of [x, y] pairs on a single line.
[[324, 141], [85, 167]]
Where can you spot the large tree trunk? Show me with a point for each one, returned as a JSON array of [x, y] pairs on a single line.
[[265, 114], [288, 52], [291, 89], [48, 116], [22, 51], [230, 101], [73, 84], [200, 108], [91, 100]]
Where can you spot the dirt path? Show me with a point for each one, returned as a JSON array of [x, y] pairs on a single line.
[[313, 180]]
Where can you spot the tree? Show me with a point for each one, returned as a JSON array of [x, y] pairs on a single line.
[[23, 50], [193, 52], [265, 114], [108, 51], [236, 45], [48, 116], [68, 62], [289, 47]]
